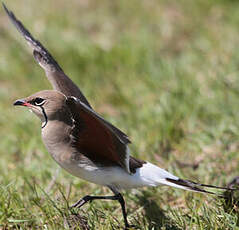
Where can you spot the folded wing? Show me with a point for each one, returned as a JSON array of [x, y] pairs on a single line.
[[96, 138]]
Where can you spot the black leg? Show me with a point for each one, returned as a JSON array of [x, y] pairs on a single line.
[[117, 196], [122, 203]]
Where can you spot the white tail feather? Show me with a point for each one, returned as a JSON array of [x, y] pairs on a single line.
[[153, 175]]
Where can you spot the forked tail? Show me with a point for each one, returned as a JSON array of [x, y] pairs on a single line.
[[153, 176], [196, 187]]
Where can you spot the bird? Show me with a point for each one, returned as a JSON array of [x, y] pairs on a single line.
[[83, 143]]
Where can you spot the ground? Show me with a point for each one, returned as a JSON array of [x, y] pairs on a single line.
[[165, 72]]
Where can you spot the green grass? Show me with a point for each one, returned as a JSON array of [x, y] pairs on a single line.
[[165, 72]]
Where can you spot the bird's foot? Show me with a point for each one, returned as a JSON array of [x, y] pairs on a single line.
[[81, 202]]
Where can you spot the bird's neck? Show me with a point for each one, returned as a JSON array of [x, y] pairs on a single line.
[[62, 116], [56, 135]]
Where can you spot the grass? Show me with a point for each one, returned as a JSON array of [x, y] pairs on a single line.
[[165, 72]]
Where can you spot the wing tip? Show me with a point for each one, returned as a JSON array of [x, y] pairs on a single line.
[[16, 22], [4, 6], [9, 13]]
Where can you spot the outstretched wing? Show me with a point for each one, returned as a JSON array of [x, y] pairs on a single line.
[[59, 80], [96, 138]]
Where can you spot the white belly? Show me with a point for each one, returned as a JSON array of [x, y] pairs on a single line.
[[118, 178]]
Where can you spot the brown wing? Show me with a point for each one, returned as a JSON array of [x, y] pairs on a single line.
[[59, 80], [96, 138]]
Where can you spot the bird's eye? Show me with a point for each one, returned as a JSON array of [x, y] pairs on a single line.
[[39, 101]]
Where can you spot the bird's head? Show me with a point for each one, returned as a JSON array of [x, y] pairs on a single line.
[[47, 104]]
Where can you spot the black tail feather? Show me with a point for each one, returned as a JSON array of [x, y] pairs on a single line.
[[196, 186], [211, 186]]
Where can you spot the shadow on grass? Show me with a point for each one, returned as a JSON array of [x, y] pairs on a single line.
[[154, 214]]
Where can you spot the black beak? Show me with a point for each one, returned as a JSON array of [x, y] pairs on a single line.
[[19, 102]]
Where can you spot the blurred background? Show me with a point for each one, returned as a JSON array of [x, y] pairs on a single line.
[[165, 72]]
